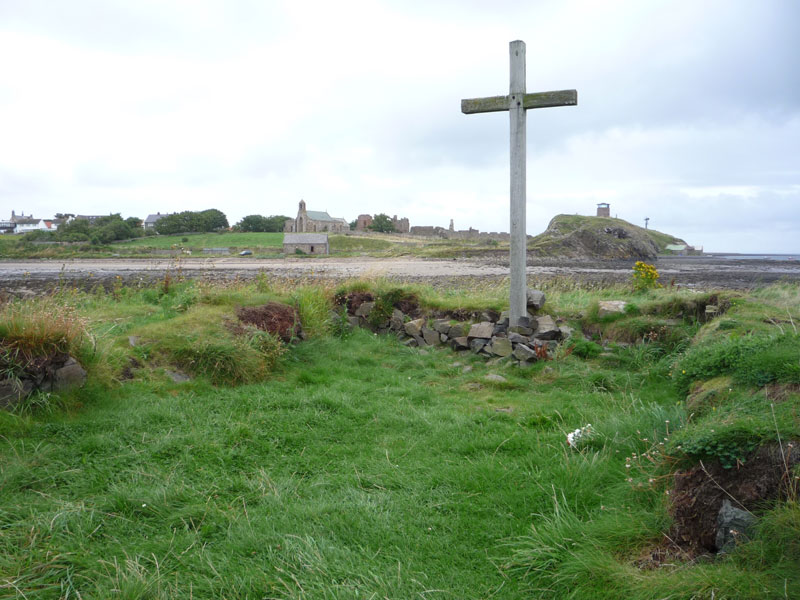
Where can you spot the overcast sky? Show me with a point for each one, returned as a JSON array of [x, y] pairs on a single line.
[[688, 111]]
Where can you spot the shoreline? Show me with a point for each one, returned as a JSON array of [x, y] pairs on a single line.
[[33, 276]]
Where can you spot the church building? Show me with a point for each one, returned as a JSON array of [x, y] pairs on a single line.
[[314, 221]]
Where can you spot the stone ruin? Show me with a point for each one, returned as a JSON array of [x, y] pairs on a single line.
[[49, 374], [400, 225], [462, 234], [487, 334]]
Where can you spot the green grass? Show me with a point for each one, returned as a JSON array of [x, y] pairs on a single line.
[[207, 240], [347, 243], [360, 468]]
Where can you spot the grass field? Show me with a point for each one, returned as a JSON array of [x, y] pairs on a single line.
[[198, 241], [361, 468]]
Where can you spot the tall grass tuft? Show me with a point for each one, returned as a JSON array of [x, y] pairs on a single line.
[[43, 327], [314, 306]]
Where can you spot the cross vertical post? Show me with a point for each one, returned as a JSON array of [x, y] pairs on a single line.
[[516, 103], [518, 242]]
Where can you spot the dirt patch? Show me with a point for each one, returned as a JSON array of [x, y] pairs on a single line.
[[278, 319], [353, 300], [408, 305], [699, 492], [780, 392]]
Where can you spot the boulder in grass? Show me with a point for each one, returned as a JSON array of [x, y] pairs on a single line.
[[535, 299], [607, 308], [72, 374]]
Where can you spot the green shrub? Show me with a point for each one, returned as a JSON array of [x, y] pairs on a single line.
[[730, 445], [645, 276], [586, 349]]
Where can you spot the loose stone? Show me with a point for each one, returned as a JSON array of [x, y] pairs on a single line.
[[414, 328], [482, 330]]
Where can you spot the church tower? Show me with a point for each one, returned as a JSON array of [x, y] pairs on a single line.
[[301, 223]]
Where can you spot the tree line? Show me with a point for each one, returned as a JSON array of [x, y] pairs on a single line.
[[111, 228]]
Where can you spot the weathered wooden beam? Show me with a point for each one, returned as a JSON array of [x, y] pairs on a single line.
[[517, 239], [483, 105], [503, 103], [551, 99]]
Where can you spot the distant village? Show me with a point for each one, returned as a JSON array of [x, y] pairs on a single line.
[[306, 233], [306, 221]]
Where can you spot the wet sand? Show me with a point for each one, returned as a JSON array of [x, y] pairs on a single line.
[[33, 276]]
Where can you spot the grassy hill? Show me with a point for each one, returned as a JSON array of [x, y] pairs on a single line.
[[576, 236]]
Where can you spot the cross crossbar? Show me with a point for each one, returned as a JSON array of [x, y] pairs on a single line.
[[504, 103]]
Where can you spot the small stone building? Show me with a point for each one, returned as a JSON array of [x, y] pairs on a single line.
[[603, 209], [307, 243]]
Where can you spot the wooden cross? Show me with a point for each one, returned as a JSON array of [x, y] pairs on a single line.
[[516, 103]]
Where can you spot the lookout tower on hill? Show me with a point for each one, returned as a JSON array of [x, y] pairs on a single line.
[[603, 209]]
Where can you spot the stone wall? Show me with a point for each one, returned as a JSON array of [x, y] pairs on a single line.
[[489, 335], [464, 234]]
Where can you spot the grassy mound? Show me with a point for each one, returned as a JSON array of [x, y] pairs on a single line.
[[577, 236]]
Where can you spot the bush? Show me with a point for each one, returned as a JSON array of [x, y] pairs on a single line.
[[586, 349], [731, 445], [645, 276]]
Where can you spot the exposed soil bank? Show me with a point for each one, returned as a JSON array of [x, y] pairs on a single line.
[[33, 276]]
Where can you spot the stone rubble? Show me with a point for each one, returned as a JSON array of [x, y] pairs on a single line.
[[535, 338]]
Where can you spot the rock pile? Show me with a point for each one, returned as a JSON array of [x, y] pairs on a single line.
[[50, 374], [535, 337]]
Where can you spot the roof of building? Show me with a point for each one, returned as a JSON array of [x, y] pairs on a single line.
[[27, 221], [305, 238], [676, 247], [154, 218], [319, 215]]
